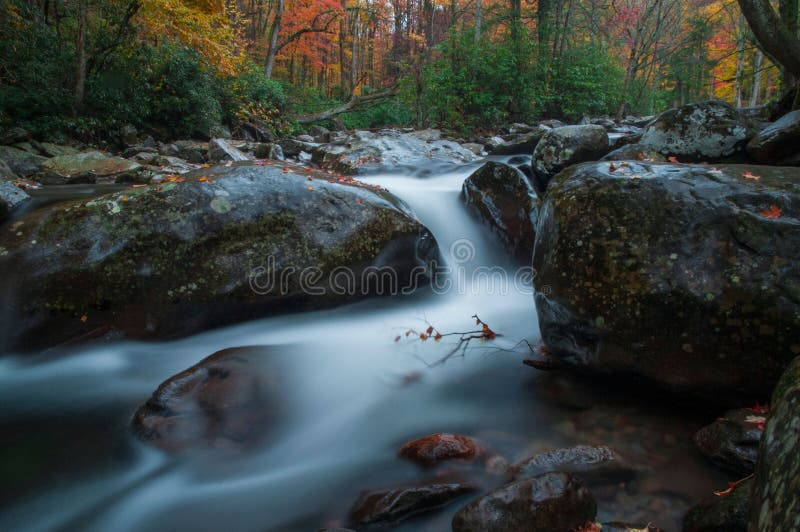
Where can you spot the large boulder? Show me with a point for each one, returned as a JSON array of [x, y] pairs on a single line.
[[365, 151], [732, 440], [505, 201], [549, 502], [222, 150], [588, 462], [699, 132], [11, 197], [564, 147], [778, 143], [685, 275], [21, 162], [726, 512], [229, 400], [776, 494], [213, 247], [90, 167]]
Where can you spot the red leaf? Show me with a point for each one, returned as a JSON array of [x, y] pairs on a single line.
[[772, 213]]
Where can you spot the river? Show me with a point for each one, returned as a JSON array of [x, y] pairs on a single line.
[[354, 396]]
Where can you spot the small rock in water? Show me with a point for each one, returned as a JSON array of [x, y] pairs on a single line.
[[439, 447], [394, 505], [227, 400], [732, 441], [584, 461], [721, 513], [547, 503]]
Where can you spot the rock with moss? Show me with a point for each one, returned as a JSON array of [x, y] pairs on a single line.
[[708, 131], [727, 512], [21, 162], [776, 492], [564, 146], [685, 275], [505, 201], [91, 167], [11, 197], [778, 143], [214, 247]]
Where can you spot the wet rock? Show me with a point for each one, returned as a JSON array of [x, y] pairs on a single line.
[[681, 274], [13, 135], [54, 150], [320, 134], [477, 149], [366, 151], [776, 491], [22, 163], [699, 132], [138, 151], [221, 150], [6, 174], [727, 513], [552, 123], [635, 152], [293, 147], [176, 258], [732, 441], [257, 130], [524, 143], [395, 505], [779, 143], [627, 527], [589, 463], [506, 202], [90, 167], [191, 151], [549, 502], [11, 197], [220, 131], [427, 135], [521, 129], [230, 399], [439, 447], [268, 151], [565, 146]]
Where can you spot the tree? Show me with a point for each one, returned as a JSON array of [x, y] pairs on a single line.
[[776, 37]]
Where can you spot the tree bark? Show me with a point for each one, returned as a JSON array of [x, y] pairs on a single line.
[[80, 54], [478, 20], [757, 76], [777, 40], [273, 39]]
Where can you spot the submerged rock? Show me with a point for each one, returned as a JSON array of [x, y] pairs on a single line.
[[565, 146], [778, 143], [725, 513], [365, 151], [439, 447], [776, 491], [699, 132], [590, 463], [230, 399], [228, 244], [686, 275], [395, 505], [506, 202], [89, 167], [549, 502], [732, 441]]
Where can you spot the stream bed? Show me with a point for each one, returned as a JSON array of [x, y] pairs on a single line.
[[353, 397]]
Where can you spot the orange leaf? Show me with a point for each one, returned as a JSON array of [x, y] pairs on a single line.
[[772, 213], [750, 175], [673, 160]]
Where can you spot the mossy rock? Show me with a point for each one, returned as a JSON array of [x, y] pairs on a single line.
[[228, 244], [565, 146], [504, 201], [686, 275], [776, 493]]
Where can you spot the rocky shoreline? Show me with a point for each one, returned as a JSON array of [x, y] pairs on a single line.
[[666, 254]]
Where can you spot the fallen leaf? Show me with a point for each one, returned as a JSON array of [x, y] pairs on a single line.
[[772, 213], [751, 175], [84, 318], [673, 160]]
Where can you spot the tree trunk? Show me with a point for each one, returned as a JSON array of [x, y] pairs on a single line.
[[273, 39], [80, 55], [778, 41], [740, 61], [788, 13], [478, 20], [757, 76]]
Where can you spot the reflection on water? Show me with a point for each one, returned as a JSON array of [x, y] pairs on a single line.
[[69, 462]]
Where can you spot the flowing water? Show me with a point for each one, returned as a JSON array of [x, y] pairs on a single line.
[[354, 396]]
